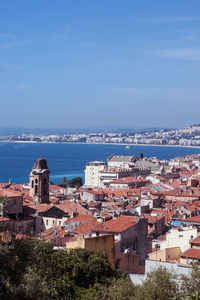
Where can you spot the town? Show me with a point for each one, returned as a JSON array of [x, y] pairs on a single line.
[[189, 136], [142, 212]]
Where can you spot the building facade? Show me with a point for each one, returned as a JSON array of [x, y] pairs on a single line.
[[92, 173]]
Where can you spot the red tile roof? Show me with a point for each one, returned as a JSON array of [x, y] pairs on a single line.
[[191, 253], [71, 207], [153, 219], [86, 227], [196, 241], [130, 179], [79, 218], [119, 224], [193, 219], [39, 207]]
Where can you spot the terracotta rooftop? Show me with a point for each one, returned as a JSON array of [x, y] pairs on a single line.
[[119, 224], [71, 207], [196, 241], [79, 218], [193, 219], [86, 227], [191, 253], [153, 219], [127, 180]]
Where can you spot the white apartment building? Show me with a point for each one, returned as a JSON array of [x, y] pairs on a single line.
[[92, 173], [121, 161], [177, 237]]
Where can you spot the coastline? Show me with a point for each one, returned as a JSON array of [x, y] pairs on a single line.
[[116, 144]]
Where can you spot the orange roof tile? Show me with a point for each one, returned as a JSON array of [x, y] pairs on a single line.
[[191, 253], [119, 224]]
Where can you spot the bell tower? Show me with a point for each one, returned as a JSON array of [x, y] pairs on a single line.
[[39, 181]]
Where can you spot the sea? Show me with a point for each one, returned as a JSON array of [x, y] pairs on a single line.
[[69, 160]]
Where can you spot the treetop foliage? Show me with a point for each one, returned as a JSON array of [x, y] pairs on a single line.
[[32, 269]]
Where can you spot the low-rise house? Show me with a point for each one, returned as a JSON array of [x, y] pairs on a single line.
[[139, 209], [176, 237], [23, 226], [130, 232], [152, 201], [195, 242], [156, 225], [128, 183], [92, 195], [14, 203], [104, 243], [72, 223], [191, 255], [47, 216], [167, 254], [192, 222]]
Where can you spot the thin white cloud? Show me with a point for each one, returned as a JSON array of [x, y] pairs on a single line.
[[9, 40], [169, 19], [132, 91], [179, 53], [61, 36], [11, 66], [15, 43], [23, 86], [87, 44], [190, 53], [191, 37], [5, 36]]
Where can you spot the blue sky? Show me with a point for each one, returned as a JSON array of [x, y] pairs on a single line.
[[75, 63]]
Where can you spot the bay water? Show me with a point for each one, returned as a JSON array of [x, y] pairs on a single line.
[[69, 160]]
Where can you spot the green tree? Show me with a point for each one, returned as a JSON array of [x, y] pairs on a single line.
[[190, 286], [120, 289], [3, 203], [33, 269], [159, 285], [76, 182], [32, 286]]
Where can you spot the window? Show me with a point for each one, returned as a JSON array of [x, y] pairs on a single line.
[[53, 222], [59, 222], [46, 222], [32, 184], [180, 235], [44, 186]]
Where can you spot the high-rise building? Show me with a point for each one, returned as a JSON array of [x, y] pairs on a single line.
[[92, 173]]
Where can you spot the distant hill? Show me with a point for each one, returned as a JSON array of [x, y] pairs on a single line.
[[12, 131]]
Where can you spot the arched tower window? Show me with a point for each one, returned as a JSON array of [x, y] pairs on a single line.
[[44, 186], [36, 189]]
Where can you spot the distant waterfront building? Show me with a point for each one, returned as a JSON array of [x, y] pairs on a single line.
[[121, 161], [92, 173], [39, 181]]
